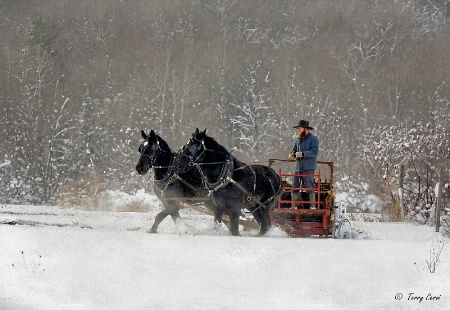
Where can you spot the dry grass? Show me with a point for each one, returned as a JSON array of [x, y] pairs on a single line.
[[391, 212], [365, 217], [83, 191], [90, 193]]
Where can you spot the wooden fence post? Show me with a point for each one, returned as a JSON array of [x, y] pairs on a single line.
[[439, 199], [400, 191]]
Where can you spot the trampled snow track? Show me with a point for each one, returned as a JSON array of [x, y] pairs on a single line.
[[191, 222]]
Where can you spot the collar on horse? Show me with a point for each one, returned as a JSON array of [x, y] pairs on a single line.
[[169, 177], [224, 177]]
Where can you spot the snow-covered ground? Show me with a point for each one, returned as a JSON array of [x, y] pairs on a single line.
[[66, 258]]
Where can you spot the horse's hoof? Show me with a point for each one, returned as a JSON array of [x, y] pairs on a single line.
[[262, 233], [152, 231]]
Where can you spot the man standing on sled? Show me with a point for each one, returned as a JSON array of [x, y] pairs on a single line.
[[305, 152]]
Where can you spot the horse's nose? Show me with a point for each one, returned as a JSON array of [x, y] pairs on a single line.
[[139, 169], [179, 168], [179, 165]]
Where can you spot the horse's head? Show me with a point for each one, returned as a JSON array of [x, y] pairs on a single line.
[[193, 151], [150, 149]]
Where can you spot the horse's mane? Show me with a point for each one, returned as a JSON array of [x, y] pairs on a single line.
[[219, 148], [163, 144]]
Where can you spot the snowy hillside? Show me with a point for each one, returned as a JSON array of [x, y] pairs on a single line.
[[55, 258]]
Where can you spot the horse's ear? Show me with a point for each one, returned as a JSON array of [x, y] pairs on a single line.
[[143, 135], [204, 131], [152, 134], [196, 131]]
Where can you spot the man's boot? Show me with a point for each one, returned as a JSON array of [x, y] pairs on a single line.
[[312, 198], [295, 197]]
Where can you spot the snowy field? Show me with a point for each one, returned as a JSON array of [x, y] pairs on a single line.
[[60, 258]]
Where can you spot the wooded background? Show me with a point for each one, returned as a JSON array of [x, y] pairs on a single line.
[[80, 79]]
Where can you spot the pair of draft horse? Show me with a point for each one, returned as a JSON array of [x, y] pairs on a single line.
[[204, 168]]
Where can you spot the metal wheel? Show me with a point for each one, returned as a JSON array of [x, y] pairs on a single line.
[[342, 229]]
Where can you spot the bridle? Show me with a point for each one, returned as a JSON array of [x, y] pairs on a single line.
[[193, 149], [143, 147], [170, 176]]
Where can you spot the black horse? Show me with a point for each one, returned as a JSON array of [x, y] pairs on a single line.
[[169, 185], [233, 184]]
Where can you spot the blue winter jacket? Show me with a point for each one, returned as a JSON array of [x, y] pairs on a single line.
[[309, 146]]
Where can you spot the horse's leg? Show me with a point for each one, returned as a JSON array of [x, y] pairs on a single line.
[[217, 220], [263, 219], [265, 223], [218, 213], [158, 219], [234, 223], [175, 214], [218, 216], [171, 209], [221, 203]]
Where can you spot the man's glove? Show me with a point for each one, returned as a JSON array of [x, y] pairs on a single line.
[[298, 154], [291, 156]]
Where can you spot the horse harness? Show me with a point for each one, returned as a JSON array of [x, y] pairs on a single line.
[[225, 178], [170, 176]]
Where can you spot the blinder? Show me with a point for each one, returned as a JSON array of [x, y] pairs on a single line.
[[154, 148], [193, 149]]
